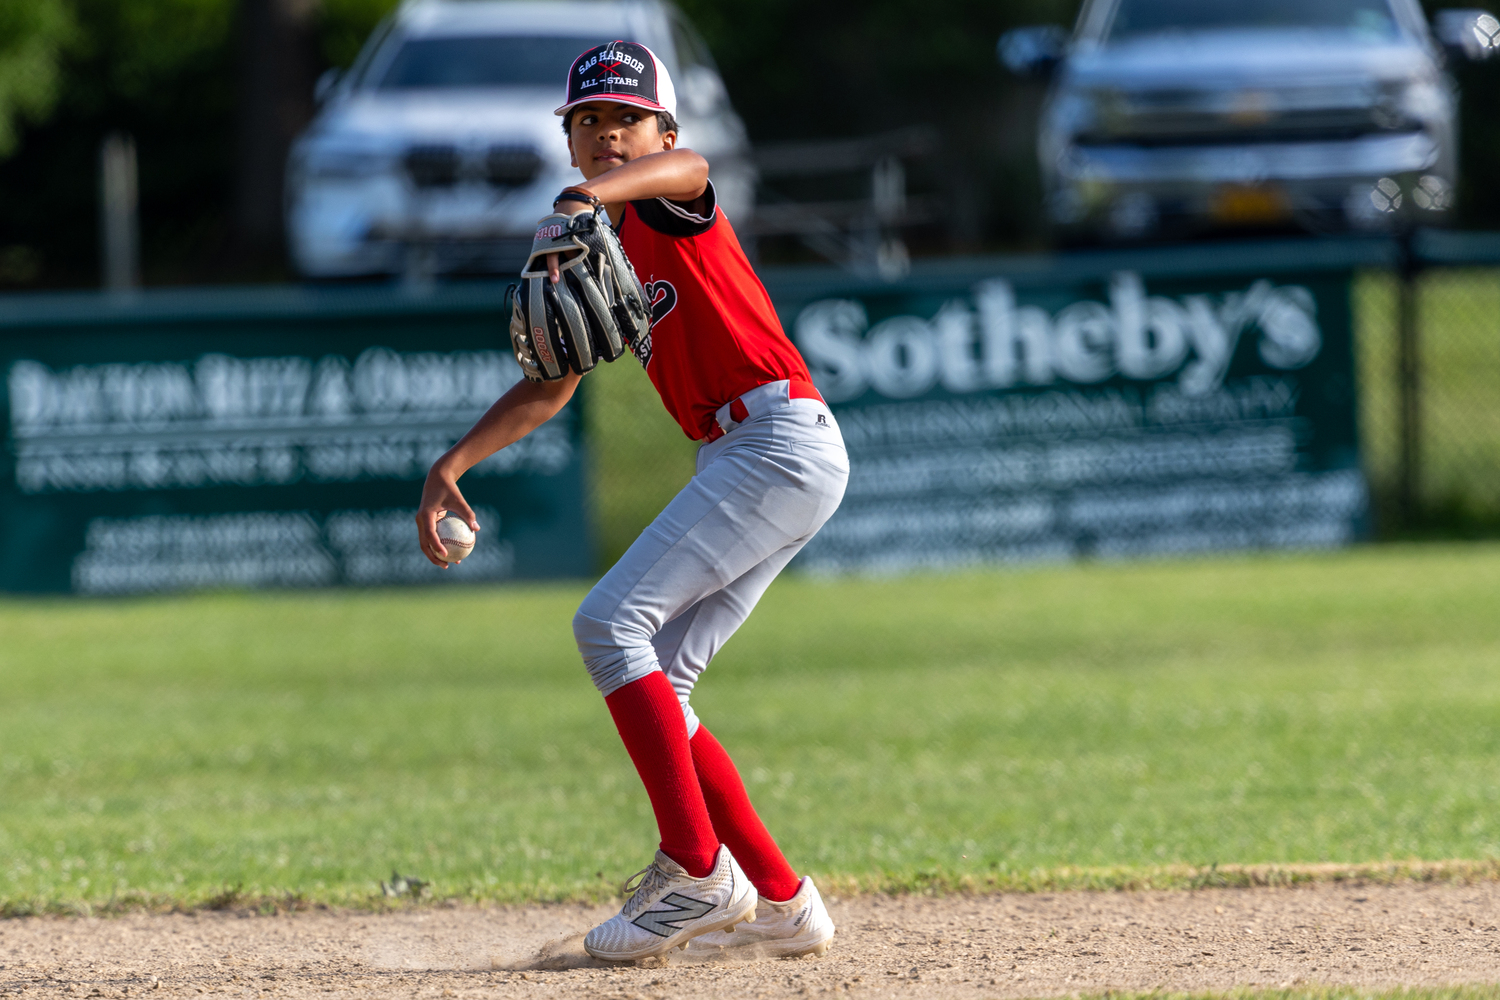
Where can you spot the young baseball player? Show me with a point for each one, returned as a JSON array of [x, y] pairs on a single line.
[[770, 471]]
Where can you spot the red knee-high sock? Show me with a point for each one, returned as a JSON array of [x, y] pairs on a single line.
[[649, 718], [736, 822]]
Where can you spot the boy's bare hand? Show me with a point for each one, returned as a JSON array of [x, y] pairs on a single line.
[[440, 495], [554, 260]]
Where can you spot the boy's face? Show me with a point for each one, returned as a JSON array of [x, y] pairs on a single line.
[[606, 135]]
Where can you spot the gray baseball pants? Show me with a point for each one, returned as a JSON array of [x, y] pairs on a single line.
[[695, 574]]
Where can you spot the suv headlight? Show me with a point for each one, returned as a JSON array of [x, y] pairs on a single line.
[[334, 163]]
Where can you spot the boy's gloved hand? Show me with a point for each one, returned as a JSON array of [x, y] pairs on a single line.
[[592, 309]]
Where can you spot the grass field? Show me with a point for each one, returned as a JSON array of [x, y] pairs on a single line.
[[981, 729]]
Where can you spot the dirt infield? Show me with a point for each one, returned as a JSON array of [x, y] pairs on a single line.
[[955, 946]]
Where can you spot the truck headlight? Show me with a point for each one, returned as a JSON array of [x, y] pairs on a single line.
[[1076, 113], [1406, 104], [1423, 100]]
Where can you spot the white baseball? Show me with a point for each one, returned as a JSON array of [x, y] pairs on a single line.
[[457, 537]]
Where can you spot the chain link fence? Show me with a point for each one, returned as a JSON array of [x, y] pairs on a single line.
[[1430, 415], [639, 458], [1429, 418]]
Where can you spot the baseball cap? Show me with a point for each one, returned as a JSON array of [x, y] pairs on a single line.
[[622, 73]]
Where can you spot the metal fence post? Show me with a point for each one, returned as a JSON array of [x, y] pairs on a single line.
[[1408, 386], [119, 214]]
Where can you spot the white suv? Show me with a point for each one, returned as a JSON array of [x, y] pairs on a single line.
[[438, 150]]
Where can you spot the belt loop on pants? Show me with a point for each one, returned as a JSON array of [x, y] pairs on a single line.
[[761, 399]]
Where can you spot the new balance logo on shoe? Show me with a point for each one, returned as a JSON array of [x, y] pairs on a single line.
[[659, 914], [666, 922]]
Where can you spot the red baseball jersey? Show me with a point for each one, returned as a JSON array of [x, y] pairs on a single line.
[[714, 334]]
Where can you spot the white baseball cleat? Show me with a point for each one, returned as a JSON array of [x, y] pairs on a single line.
[[668, 907], [800, 926]]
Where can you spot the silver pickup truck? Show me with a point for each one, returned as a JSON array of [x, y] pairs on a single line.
[[1171, 117]]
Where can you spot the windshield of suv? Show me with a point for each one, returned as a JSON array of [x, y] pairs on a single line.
[[1370, 19], [483, 61]]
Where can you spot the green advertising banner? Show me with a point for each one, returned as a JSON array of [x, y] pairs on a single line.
[[1104, 404], [272, 437]]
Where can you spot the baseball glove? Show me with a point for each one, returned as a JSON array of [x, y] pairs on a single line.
[[591, 315]]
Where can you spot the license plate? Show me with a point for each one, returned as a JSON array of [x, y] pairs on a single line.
[[1249, 204]]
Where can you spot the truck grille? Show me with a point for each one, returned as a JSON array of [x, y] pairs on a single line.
[[511, 166], [432, 166], [443, 165], [1191, 118]]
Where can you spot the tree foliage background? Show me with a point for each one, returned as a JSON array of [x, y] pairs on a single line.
[[168, 72], [32, 35], [172, 73]]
